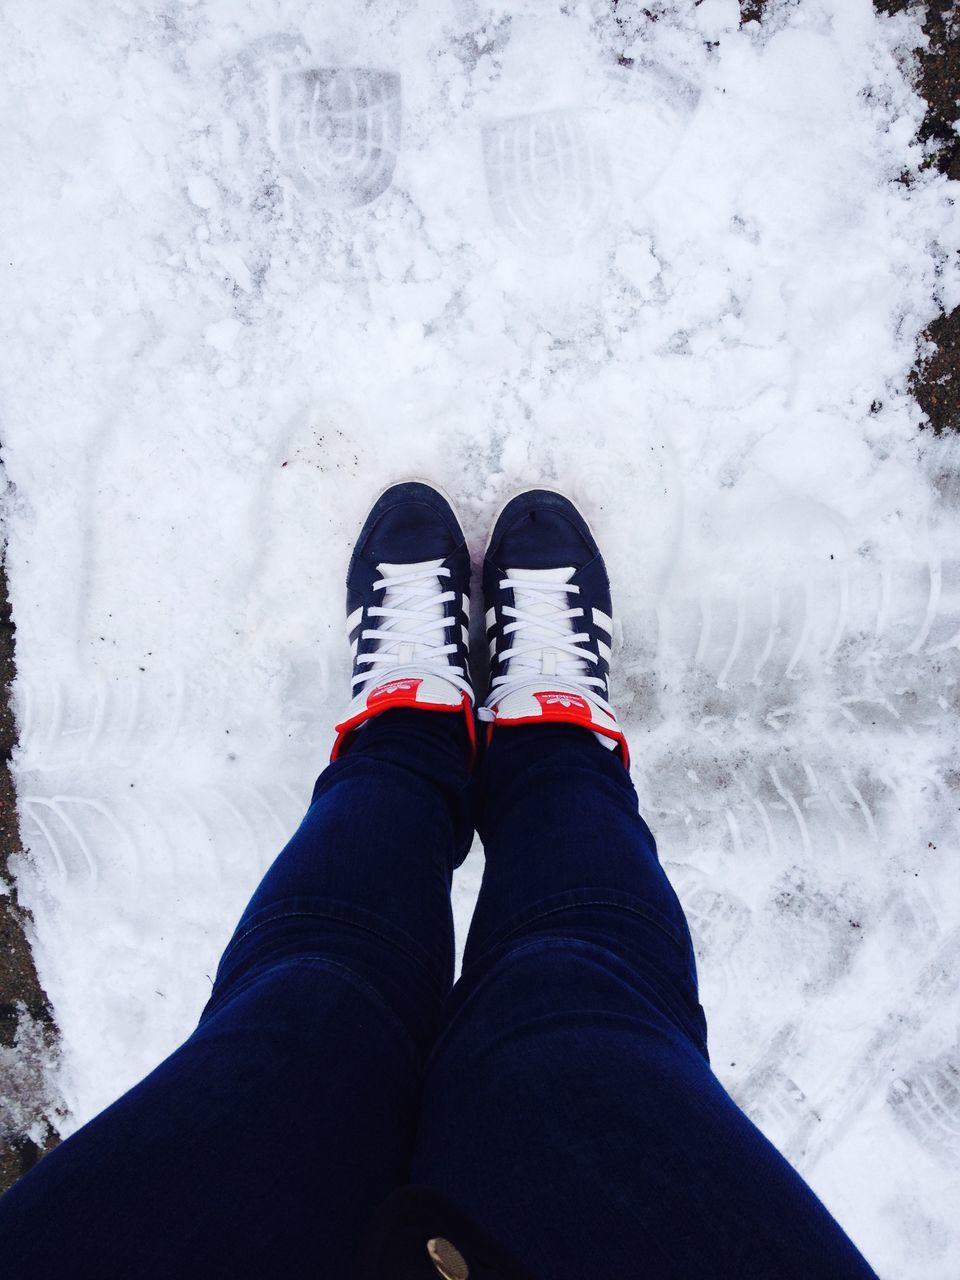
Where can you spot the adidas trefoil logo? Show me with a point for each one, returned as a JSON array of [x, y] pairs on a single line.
[[561, 699], [395, 686]]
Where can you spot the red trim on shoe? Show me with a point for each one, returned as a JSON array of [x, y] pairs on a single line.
[[397, 697], [471, 728], [558, 705], [395, 693], [550, 718]]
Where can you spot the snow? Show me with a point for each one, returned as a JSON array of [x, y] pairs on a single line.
[[665, 265]]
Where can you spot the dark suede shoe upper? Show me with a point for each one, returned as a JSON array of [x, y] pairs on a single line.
[[408, 524], [544, 530]]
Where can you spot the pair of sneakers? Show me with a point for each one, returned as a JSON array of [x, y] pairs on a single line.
[[548, 616]]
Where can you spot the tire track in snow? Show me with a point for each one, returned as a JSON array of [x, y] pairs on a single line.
[[876, 641], [195, 836]]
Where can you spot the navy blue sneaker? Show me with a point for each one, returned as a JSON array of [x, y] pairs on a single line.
[[549, 620], [408, 610]]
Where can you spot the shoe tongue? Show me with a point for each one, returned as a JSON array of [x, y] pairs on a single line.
[[559, 574], [428, 607], [396, 570], [544, 604]]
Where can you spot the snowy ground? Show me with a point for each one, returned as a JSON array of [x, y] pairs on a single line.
[[263, 258]]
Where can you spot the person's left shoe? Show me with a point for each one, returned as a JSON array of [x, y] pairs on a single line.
[[549, 623], [408, 607]]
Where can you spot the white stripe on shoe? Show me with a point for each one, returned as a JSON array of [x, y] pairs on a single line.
[[601, 619], [354, 619]]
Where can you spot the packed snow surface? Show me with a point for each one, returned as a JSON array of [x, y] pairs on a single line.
[[262, 259]]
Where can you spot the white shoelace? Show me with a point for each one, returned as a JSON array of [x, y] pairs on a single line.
[[545, 641], [412, 633]]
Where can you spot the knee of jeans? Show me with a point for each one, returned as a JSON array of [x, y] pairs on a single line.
[[559, 973], [301, 996], [311, 926], [622, 923], [382, 960]]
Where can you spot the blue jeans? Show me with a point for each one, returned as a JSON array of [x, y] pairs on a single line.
[[559, 1095]]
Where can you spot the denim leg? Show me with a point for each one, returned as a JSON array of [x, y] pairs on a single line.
[[261, 1146], [569, 1106]]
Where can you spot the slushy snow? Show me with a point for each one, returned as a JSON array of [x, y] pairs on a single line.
[[264, 259]]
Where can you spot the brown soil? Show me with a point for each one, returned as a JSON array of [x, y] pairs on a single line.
[[24, 1012], [936, 378]]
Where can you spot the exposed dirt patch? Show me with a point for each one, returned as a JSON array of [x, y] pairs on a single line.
[[27, 1033], [936, 379], [752, 10]]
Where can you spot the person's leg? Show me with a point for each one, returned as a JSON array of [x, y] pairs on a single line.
[[569, 1107], [262, 1145]]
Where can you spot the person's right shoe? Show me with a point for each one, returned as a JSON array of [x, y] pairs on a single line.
[[408, 606], [549, 623]]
